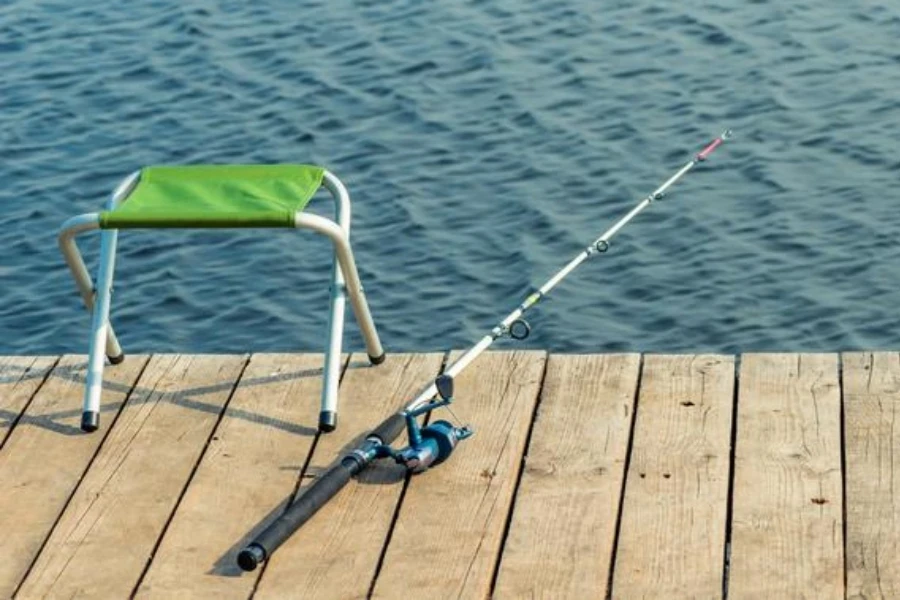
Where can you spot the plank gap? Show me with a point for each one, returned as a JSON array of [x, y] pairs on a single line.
[[312, 449], [843, 433], [84, 472], [190, 478], [126, 497], [390, 534], [515, 492], [674, 509], [626, 466], [499, 395], [340, 547], [15, 421], [303, 473], [786, 523], [735, 397], [445, 362], [871, 395]]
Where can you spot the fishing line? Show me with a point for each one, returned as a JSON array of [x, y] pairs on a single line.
[[431, 445]]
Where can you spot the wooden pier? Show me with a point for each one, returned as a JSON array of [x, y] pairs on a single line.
[[695, 476]]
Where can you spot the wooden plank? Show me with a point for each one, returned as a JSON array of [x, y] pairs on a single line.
[[674, 514], [45, 457], [871, 405], [20, 378], [787, 538], [105, 537], [335, 555], [250, 466], [563, 526], [447, 536]]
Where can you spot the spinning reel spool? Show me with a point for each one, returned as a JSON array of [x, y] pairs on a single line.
[[431, 445]]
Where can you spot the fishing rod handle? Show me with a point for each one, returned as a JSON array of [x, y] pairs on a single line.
[[389, 429], [298, 513], [318, 494]]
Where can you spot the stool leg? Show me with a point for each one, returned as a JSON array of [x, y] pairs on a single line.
[[345, 257], [90, 415], [331, 379], [82, 279], [357, 298], [345, 268]]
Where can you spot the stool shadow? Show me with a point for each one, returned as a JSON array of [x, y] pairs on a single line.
[[136, 395], [17, 374], [382, 472]]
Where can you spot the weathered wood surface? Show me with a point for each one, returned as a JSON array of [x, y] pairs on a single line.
[[106, 536], [672, 540], [20, 378], [248, 469], [195, 454], [787, 525], [563, 527], [45, 457], [457, 512], [871, 405], [340, 548]]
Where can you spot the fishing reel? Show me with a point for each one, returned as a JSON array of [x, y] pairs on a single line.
[[429, 445]]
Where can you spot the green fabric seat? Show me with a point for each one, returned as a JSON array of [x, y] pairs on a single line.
[[216, 196]]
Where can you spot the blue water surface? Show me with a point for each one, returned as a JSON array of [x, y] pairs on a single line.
[[485, 144]]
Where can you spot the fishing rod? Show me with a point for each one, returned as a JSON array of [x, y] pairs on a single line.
[[432, 445]]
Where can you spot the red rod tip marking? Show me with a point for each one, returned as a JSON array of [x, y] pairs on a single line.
[[713, 145], [709, 149]]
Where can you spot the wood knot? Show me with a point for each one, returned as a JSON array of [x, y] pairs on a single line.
[[819, 501], [687, 403]]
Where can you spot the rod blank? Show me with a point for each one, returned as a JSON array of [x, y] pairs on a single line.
[[598, 245], [359, 459]]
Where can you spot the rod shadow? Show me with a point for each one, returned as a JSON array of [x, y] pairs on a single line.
[[382, 472]]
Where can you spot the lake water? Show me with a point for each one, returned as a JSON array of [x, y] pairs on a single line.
[[484, 144]]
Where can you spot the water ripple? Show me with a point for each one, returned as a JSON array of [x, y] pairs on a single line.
[[484, 144]]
